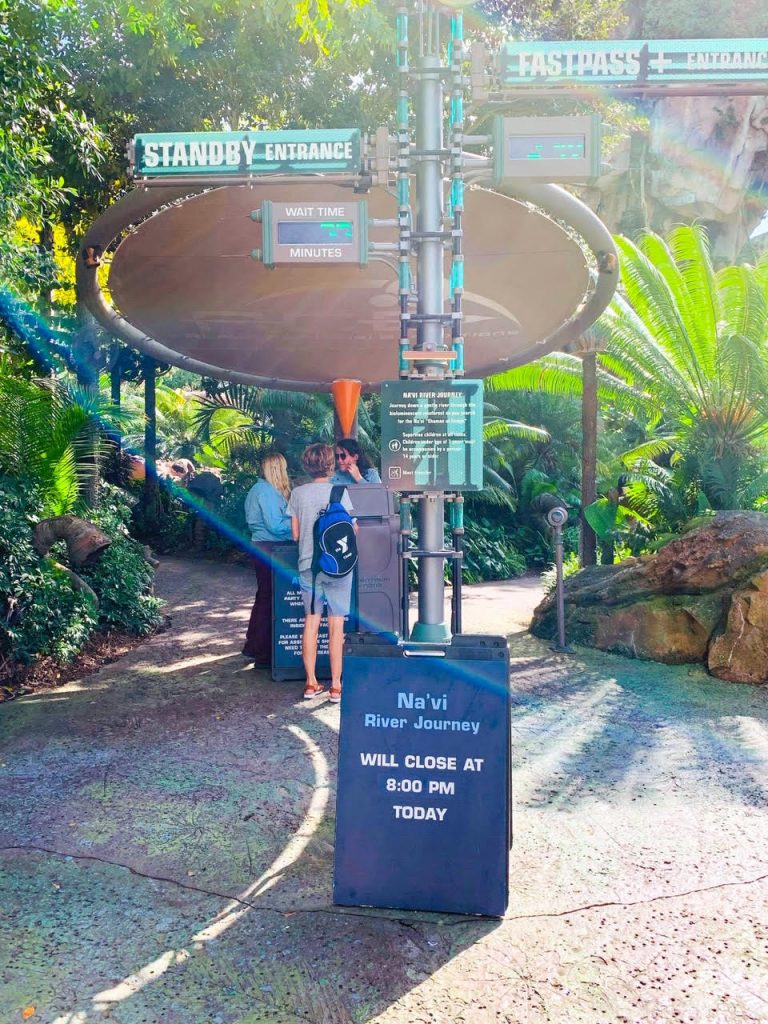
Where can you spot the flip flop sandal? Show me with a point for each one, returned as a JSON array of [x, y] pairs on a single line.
[[334, 695], [311, 692]]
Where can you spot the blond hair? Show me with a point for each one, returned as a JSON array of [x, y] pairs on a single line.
[[274, 469], [318, 460]]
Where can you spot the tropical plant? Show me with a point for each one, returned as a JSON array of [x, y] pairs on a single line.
[[683, 370], [693, 342], [489, 553], [41, 614], [46, 437], [238, 417]]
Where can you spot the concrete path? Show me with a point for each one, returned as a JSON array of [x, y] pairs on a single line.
[[166, 832]]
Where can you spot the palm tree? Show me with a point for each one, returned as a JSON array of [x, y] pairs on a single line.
[[47, 437], [694, 342], [685, 353]]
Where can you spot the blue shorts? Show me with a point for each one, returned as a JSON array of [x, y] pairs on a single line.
[[333, 591]]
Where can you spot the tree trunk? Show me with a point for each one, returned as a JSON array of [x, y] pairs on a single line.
[[85, 542], [151, 489], [85, 347], [588, 545]]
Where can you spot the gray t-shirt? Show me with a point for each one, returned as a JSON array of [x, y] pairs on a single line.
[[305, 502]]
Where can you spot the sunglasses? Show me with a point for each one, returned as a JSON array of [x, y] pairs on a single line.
[[341, 455]]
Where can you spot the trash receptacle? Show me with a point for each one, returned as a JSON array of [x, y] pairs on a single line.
[[379, 566], [423, 817]]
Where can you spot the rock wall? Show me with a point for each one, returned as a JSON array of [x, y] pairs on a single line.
[[703, 158], [702, 598]]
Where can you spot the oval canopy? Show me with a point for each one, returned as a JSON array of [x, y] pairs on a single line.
[[187, 279]]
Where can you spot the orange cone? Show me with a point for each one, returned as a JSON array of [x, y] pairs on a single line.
[[346, 395]]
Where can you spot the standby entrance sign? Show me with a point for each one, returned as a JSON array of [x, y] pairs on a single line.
[[170, 154], [621, 62]]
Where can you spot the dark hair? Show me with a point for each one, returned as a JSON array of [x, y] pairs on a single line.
[[318, 459], [350, 445]]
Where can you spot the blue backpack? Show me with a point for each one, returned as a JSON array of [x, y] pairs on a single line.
[[334, 544]]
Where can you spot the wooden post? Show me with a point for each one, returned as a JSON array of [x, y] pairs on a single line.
[[151, 494], [588, 541]]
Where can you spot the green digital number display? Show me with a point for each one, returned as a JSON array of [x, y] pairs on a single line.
[[315, 232], [552, 147]]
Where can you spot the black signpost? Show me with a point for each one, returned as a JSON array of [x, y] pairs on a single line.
[[288, 619], [423, 805]]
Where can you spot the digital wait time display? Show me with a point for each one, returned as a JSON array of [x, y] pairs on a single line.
[[552, 147], [547, 148], [315, 232]]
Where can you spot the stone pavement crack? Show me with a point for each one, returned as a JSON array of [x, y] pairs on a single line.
[[663, 897], [390, 914], [282, 911]]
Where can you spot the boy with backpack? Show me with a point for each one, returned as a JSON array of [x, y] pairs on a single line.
[[325, 531]]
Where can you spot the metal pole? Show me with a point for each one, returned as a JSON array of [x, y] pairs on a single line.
[[430, 626], [560, 591]]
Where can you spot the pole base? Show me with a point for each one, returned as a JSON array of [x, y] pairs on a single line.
[[431, 633], [561, 648]]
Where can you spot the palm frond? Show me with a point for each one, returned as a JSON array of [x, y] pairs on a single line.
[[650, 449], [496, 428], [690, 250], [649, 278], [554, 375]]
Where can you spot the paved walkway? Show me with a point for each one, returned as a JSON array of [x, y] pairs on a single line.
[[166, 833]]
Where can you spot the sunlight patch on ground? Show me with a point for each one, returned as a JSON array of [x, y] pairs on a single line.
[[235, 910], [565, 737], [186, 663]]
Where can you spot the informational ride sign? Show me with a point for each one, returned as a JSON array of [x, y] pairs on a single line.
[[309, 231], [618, 61], [423, 804], [432, 435], [331, 150], [565, 148]]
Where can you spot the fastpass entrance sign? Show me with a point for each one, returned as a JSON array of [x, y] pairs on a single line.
[[617, 62], [332, 150]]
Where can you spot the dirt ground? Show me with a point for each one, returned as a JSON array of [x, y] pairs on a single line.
[[167, 831]]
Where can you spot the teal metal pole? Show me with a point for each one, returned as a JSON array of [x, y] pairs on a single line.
[[430, 625]]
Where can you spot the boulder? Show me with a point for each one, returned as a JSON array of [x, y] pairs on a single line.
[[740, 653], [701, 598]]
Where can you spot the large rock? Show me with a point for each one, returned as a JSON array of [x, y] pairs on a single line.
[[703, 597], [697, 161], [740, 653]]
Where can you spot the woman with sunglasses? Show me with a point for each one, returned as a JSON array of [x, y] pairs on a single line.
[[352, 464]]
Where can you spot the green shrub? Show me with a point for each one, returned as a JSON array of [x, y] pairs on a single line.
[[122, 579], [40, 613], [489, 553]]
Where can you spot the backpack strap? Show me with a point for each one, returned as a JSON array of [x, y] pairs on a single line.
[[337, 493]]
